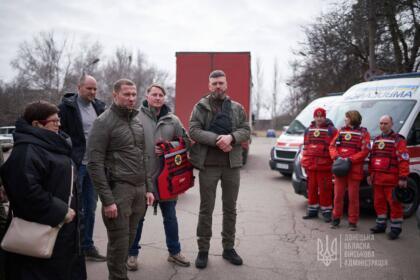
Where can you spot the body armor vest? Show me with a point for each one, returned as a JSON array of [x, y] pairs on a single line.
[[349, 141], [384, 154], [176, 173], [317, 142]]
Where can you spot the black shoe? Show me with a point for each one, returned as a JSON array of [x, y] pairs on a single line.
[[352, 227], [377, 229], [232, 256], [201, 260], [327, 217], [93, 255], [394, 234], [335, 223], [310, 216]]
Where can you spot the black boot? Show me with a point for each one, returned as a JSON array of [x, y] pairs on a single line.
[[232, 256], [394, 233], [335, 223], [310, 215], [201, 260], [327, 217], [378, 229], [352, 226]]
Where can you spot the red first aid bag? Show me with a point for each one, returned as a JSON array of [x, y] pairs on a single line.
[[176, 175]]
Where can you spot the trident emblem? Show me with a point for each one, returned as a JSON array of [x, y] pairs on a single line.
[[328, 253]]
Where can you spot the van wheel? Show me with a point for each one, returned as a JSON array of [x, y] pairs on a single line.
[[410, 208], [6, 149], [285, 174]]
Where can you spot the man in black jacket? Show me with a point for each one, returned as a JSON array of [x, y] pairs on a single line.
[[77, 113]]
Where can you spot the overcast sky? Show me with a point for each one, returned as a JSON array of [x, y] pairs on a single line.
[[267, 28]]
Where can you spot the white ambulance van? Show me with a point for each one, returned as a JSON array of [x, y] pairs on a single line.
[[395, 95], [288, 143]]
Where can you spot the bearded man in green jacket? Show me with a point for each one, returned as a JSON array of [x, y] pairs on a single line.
[[218, 125]]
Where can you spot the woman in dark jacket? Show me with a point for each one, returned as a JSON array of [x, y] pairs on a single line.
[[37, 178]]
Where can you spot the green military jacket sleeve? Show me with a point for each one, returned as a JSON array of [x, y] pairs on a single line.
[[97, 147], [198, 123], [242, 130], [148, 178]]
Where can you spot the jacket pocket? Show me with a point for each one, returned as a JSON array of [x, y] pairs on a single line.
[[235, 156], [122, 194], [380, 163], [323, 161], [306, 162], [126, 165]]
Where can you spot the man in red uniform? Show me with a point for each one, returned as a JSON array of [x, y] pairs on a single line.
[[352, 142], [317, 163], [388, 168]]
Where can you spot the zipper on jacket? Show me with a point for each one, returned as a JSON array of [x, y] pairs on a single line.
[[131, 130]]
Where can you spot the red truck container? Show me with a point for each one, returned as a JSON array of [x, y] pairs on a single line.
[[192, 72]]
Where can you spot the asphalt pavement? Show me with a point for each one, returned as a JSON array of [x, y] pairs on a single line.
[[272, 238]]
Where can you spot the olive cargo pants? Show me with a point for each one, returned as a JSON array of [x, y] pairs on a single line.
[[131, 204], [209, 177]]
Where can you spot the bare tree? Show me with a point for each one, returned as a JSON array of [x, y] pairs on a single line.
[[403, 22], [48, 67], [135, 67], [295, 100], [275, 97], [85, 60], [42, 63], [145, 74], [352, 38], [258, 88], [118, 66], [371, 33]]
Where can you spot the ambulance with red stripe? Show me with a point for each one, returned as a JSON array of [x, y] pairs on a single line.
[[396, 95], [283, 153]]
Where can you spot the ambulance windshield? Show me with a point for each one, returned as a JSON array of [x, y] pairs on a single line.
[[303, 120], [372, 110]]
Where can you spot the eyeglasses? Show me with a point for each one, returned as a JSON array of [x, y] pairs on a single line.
[[45, 122]]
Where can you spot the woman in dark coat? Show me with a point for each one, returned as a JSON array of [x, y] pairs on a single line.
[[37, 178]]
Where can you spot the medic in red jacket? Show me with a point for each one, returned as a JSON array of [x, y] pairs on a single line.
[[388, 168], [317, 163], [351, 142]]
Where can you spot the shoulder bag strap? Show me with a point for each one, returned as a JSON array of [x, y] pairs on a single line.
[[71, 183]]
